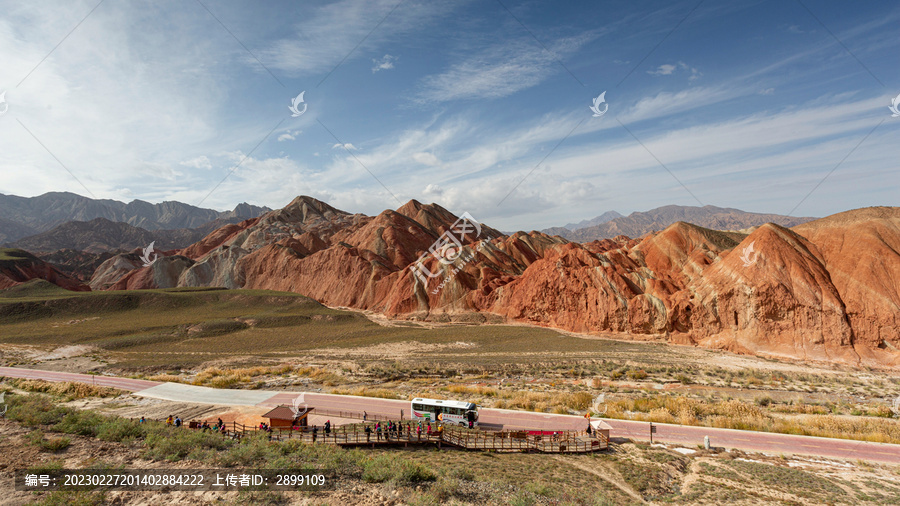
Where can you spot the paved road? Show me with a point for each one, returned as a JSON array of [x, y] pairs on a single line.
[[495, 418], [131, 385]]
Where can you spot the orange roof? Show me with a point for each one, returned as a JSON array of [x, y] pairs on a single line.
[[284, 413]]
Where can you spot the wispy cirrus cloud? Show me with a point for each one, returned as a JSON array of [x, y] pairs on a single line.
[[669, 69], [332, 32], [500, 70]]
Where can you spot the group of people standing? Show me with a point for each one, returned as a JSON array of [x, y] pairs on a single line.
[[176, 421], [394, 430]]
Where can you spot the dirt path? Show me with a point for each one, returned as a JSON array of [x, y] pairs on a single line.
[[607, 477]]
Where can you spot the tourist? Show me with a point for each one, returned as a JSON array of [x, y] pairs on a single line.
[[368, 433], [170, 420], [178, 421], [315, 432], [327, 428]]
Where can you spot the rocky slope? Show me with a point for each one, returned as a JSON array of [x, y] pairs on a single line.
[[76, 264], [17, 266]]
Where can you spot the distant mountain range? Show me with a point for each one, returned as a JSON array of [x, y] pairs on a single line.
[[101, 235], [26, 216], [637, 224], [599, 220]]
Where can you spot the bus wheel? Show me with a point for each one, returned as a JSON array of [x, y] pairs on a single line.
[[462, 424]]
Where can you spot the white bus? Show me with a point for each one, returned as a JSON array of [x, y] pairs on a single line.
[[449, 412]]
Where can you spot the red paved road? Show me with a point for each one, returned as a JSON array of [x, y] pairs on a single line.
[[501, 418], [765, 442], [131, 385]]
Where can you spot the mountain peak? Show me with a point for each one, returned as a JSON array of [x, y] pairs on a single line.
[[638, 223]]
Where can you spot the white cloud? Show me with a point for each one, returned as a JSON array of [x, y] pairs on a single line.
[[289, 135], [426, 159], [663, 70], [433, 191], [201, 162], [767, 91], [332, 32], [669, 69], [347, 146], [500, 70], [796, 29], [385, 63], [104, 104]]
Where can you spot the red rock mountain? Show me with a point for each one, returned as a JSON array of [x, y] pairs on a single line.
[[825, 290], [18, 266]]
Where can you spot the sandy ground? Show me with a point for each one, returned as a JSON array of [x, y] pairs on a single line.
[[63, 358]]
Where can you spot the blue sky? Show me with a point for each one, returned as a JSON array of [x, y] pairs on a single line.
[[479, 106]]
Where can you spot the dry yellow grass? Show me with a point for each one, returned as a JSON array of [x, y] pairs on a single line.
[[320, 375], [481, 390], [223, 378], [165, 377], [734, 414], [69, 390], [383, 393]]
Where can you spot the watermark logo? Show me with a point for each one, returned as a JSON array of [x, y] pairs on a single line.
[[599, 402], [601, 100], [3, 403], [295, 103], [3, 105], [299, 407], [749, 255], [895, 107], [448, 250], [146, 256]]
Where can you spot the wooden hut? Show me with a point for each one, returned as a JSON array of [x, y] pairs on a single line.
[[600, 427], [283, 417]]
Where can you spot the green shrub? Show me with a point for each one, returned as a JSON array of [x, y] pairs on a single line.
[[46, 467], [53, 444], [121, 429], [254, 449], [165, 442], [83, 423], [388, 468], [34, 410], [379, 469], [764, 401], [637, 374], [413, 472]]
